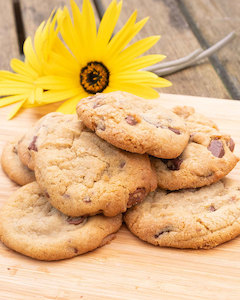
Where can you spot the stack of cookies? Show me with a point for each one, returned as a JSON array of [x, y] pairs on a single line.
[[121, 154]]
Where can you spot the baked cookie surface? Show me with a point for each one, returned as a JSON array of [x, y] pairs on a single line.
[[194, 218], [207, 158], [134, 124], [46, 129], [12, 165], [84, 175], [31, 226]]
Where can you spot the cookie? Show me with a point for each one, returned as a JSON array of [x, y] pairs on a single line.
[[207, 158], [194, 218], [31, 226], [84, 175], [12, 165], [47, 128], [134, 124]]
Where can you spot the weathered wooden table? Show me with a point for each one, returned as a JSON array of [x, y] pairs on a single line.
[[129, 268], [184, 25]]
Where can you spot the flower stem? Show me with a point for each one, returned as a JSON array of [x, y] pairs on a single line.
[[189, 60]]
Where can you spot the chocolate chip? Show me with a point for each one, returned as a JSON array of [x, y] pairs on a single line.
[[97, 104], [173, 164], [75, 250], [154, 123], [66, 196], [122, 164], [176, 131], [91, 97], [231, 144], [32, 145], [47, 195], [162, 231], [15, 150], [212, 208], [75, 220], [192, 136], [131, 120], [216, 148], [101, 126], [107, 239], [87, 199], [136, 197]]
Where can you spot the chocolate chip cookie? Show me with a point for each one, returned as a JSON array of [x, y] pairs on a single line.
[[45, 130], [31, 226], [207, 158], [194, 218], [134, 124], [12, 165], [84, 175]]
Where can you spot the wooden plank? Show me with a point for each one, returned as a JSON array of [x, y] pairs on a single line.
[[8, 37], [34, 13], [127, 268], [214, 19], [177, 41]]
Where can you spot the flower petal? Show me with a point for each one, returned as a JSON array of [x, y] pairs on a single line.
[[69, 106], [12, 77], [55, 96], [90, 23], [133, 76], [20, 67], [125, 35], [30, 56], [16, 109], [14, 88], [141, 62], [11, 99], [57, 82], [137, 49], [137, 89], [108, 24]]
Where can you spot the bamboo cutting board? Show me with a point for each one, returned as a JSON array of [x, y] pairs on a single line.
[[127, 268]]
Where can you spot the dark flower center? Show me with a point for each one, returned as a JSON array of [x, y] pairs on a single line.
[[94, 77]]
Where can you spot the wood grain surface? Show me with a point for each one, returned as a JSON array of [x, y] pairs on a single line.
[[177, 40], [35, 12], [8, 36], [127, 268], [214, 19]]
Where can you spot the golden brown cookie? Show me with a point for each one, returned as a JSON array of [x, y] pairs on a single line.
[[207, 158], [84, 175], [46, 129], [134, 124], [12, 165], [191, 218], [31, 226]]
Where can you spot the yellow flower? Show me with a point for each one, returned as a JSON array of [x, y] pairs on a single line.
[[96, 62], [20, 86], [87, 62]]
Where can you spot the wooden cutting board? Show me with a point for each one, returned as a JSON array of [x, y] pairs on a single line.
[[127, 268]]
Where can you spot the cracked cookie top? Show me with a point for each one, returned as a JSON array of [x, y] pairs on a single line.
[[31, 226], [134, 124], [191, 218], [207, 158], [84, 175], [45, 130]]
